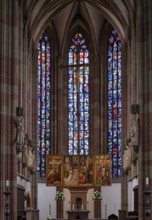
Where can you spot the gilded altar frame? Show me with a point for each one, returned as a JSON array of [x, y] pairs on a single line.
[[78, 170]]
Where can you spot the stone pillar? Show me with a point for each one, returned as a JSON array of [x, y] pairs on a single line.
[[9, 41], [144, 83], [122, 214], [32, 214]]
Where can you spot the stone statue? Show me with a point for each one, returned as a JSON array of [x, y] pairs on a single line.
[[25, 151], [20, 133], [19, 157], [134, 130], [31, 158], [27, 199], [127, 157]]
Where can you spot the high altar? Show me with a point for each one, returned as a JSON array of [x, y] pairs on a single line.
[[78, 173], [79, 209], [78, 214]]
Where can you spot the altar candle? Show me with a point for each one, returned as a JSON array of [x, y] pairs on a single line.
[[73, 206], [7, 183], [82, 206], [49, 208], [147, 181], [87, 204]]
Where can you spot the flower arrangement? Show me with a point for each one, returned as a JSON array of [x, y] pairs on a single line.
[[48, 217], [59, 196], [97, 195]]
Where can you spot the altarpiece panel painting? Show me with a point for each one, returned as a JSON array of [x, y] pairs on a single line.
[[78, 170], [102, 170], [71, 170], [86, 170], [54, 170]]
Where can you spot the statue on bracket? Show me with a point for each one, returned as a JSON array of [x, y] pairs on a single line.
[[25, 150], [134, 127], [31, 158], [20, 129], [129, 156]]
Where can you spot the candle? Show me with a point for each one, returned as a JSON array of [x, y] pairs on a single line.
[[147, 181], [7, 183], [73, 206], [49, 208], [87, 204], [82, 206]]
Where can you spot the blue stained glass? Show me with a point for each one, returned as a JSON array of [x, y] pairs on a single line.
[[43, 96], [78, 96], [114, 102]]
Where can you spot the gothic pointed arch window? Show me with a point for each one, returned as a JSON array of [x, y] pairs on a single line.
[[114, 102], [78, 96], [44, 102]]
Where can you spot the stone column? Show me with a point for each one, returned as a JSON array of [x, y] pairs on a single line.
[[9, 41], [144, 85]]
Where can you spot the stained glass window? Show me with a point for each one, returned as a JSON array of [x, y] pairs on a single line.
[[43, 95], [114, 102], [78, 96]]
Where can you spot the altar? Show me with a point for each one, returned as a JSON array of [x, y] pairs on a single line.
[[78, 214]]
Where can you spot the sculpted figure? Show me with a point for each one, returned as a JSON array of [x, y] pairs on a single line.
[[31, 159], [127, 157], [25, 151], [134, 130], [20, 133], [130, 156], [27, 199]]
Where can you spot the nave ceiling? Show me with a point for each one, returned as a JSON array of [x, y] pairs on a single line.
[[65, 15]]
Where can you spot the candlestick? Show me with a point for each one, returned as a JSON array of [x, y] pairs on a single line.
[[7, 193], [147, 192], [147, 181], [7, 183], [87, 204], [50, 209]]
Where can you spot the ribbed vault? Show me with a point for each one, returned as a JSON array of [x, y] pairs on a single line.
[[93, 13]]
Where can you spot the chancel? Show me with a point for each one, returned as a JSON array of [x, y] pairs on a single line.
[[76, 109]]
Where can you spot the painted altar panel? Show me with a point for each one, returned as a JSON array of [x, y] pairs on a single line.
[[71, 170], [54, 170], [78, 170], [86, 170], [102, 170]]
